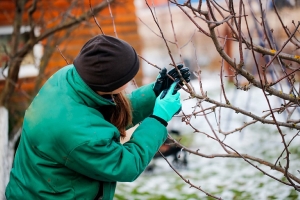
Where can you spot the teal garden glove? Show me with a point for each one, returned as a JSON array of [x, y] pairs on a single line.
[[168, 103]]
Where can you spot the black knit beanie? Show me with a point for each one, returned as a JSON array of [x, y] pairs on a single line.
[[106, 63]]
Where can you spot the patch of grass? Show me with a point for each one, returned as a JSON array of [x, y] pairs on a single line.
[[221, 187], [260, 185], [293, 195], [295, 151], [240, 194], [271, 197], [205, 176], [190, 196], [119, 197], [236, 192], [179, 186], [136, 191], [186, 139], [240, 183], [161, 197]]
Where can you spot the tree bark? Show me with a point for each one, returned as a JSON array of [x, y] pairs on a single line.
[[15, 61]]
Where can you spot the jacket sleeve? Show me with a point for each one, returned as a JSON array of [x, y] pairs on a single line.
[[142, 102], [108, 160]]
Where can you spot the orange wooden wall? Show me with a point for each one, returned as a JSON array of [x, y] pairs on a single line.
[[124, 19]]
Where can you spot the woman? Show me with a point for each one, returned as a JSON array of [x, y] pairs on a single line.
[[70, 144]]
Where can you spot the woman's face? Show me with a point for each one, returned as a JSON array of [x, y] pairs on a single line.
[[116, 91]]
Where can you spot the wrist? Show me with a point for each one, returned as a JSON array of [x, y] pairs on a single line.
[[161, 120]]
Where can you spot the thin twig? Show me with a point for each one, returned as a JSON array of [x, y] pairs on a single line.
[[112, 18], [95, 19], [285, 43], [62, 55], [186, 180]]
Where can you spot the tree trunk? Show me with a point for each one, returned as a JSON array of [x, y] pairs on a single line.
[[14, 64], [11, 82]]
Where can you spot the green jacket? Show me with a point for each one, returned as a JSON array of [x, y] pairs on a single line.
[[67, 147]]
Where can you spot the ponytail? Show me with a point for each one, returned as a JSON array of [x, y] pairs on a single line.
[[119, 115]]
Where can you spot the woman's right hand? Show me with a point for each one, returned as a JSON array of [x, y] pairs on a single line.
[[167, 104]]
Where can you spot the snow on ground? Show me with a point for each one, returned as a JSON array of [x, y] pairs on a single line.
[[3, 149], [228, 178]]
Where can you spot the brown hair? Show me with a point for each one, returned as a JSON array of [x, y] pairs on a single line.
[[119, 115]]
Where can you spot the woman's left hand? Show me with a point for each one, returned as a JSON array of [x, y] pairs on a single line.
[[164, 82]]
